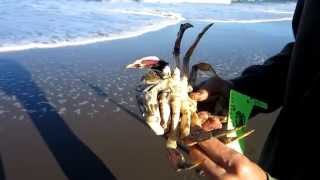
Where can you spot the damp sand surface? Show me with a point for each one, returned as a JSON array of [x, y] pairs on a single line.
[[70, 113]]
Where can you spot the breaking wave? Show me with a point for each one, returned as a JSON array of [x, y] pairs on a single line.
[[58, 23]]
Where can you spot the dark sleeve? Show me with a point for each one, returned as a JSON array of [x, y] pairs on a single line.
[[269, 177], [266, 82]]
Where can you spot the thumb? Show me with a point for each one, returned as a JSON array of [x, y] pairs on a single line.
[[199, 95]]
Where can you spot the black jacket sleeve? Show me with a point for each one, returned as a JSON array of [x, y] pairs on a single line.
[[266, 82]]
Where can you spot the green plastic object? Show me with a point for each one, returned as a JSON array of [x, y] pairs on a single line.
[[240, 108]]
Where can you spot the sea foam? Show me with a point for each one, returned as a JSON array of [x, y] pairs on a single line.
[[57, 23]]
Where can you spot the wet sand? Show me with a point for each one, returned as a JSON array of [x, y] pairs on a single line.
[[70, 113]]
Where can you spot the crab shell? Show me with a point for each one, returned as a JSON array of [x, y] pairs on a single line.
[[167, 106]]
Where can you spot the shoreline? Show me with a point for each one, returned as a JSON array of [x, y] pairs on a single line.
[[87, 41], [128, 35], [104, 21]]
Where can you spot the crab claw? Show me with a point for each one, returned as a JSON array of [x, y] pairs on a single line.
[[145, 62], [152, 62]]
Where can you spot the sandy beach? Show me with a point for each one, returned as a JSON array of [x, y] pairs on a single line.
[[70, 112]]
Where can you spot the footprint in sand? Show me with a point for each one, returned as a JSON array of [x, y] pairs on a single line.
[[83, 103], [117, 109], [62, 110], [62, 101], [3, 111], [77, 111], [21, 117]]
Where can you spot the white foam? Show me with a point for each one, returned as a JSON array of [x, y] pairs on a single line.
[[171, 19], [117, 109], [277, 11], [62, 110], [3, 111], [17, 105], [83, 103], [190, 1], [77, 111], [62, 101], [21, 117], [248, 21]]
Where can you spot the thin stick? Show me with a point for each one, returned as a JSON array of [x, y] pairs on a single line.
[[217, 134], [239, 137]]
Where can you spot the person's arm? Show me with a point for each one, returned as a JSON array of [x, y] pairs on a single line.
[[266, 82]]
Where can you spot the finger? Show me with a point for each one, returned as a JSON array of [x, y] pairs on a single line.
[[219, 153], [210, 168], [212, 123], [208, 104], [200, 95], [174, 158], [203, 115]]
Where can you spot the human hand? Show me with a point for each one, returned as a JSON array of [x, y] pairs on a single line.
[[220, 162], [213, 96]]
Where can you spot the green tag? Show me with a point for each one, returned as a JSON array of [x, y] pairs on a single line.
[[240, 108]]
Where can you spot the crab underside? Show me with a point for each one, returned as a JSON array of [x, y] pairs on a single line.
[[163, 98]]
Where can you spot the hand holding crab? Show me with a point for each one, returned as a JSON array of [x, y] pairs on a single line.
[[164, 101]]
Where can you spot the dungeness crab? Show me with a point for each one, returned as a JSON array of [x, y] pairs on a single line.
[[163, 98]]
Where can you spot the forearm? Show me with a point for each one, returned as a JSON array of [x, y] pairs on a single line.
[[266, 82]]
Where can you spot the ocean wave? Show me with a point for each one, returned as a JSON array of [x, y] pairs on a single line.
[[150, 12], [248, 21], [59, 23], [277, 11], [85, 41], [190, 1]]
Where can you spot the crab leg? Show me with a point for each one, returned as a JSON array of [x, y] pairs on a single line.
[[175, 117], [187, 56], [195, 120], [176, 50], [164, 109], [175, 104], [185, 121], [153, 117], [200, 67]]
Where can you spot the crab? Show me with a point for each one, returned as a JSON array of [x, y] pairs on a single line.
[[163, 98]]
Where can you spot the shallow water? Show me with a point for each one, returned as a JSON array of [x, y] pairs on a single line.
[[56, 23]]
